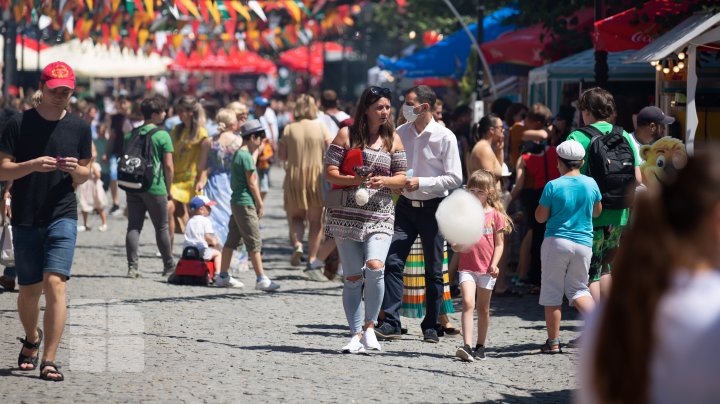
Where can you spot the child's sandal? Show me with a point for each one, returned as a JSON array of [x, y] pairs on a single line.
[[551, 346], [47, 368], [30, 359]]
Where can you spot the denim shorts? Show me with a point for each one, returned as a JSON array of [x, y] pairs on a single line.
[[264, 175], [113, 163], [56, 244]]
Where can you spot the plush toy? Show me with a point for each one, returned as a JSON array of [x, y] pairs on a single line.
[[666, 154]]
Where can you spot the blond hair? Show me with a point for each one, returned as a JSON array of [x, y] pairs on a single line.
[[241, 110], [485, 180], [225, 119], [305, 108]]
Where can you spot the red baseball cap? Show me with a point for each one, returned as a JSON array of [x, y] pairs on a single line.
[[58, 74]]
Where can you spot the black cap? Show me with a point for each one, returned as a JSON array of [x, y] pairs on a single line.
[[655, 115]]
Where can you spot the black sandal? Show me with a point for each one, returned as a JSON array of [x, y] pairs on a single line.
[[25, 359], [55, 369]]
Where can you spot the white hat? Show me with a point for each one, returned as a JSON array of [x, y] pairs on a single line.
[[571, 150]]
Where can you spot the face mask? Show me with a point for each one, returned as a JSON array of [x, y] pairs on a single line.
[[408, 113]]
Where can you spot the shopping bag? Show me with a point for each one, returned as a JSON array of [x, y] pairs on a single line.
[[7, 254]]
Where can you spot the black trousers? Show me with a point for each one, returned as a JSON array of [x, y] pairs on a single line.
[[411, 221]]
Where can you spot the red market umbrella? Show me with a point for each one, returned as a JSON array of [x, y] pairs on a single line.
[[220, 62], [297, 59], [525, 46], [635, 28]]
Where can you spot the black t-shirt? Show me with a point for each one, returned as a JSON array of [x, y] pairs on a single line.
[[40, 198]]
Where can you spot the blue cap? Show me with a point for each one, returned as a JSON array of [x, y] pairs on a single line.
[[261, 101], [200, 201]]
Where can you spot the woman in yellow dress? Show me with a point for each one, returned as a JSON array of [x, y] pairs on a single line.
[[191, 144]]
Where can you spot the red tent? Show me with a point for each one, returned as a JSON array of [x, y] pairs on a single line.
[[297, 58], [635, 28], [220, 62], [525, 46]]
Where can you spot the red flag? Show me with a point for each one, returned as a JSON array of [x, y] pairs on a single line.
[[195, 26], [182, 7], [230, 27], [204, 12]]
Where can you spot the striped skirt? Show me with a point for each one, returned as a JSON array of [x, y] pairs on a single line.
[[413, 300]]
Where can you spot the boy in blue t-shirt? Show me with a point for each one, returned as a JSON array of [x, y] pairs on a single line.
[[568, 205]]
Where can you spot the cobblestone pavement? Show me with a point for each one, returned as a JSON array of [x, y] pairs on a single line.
[[144, 340]]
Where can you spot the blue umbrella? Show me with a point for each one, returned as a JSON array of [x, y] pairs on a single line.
[[449, 56]]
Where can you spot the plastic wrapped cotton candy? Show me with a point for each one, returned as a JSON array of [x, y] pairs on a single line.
[[461, 218]]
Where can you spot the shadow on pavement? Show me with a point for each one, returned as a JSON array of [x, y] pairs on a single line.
[[562, 396], [515, 351]]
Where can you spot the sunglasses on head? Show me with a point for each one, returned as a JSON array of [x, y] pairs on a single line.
[[378, 92]]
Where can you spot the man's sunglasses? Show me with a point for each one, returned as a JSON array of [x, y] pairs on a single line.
[[378, 92]]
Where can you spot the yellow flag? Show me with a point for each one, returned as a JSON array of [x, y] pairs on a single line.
[[241, 9], [115, 5], [114, 32], [89, 4], [177, 40], [191, 7], [143, 36], [214, 12], [293, 9], [149, 4]]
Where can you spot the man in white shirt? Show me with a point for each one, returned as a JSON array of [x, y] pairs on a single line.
[[330, 115], [434, 162]]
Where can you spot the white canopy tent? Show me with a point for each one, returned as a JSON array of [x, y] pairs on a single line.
[[94, 60], [696, 31]]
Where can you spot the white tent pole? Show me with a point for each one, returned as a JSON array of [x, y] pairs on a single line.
[[486, 67], [692, 117]]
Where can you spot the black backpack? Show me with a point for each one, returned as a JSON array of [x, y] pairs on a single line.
[[136, 168], [611, 162]]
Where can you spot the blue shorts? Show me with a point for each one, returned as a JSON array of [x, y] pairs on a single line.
[[56, 245], [113, 163], [264, 175]]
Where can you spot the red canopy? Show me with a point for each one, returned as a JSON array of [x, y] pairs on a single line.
[[525, 46], [239, 62], [635, 28], [297, 58]]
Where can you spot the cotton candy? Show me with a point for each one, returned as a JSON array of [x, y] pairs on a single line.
[[461, 218]]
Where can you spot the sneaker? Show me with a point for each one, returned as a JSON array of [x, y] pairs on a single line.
[[354, 346], [465, 354], [574, 343], [167, 271], [296, 255], [316, 275], [115, 211], [265, 284], [133, 273], [103, 227], [82, 228], [386, 332], [315, 264], [227, 282], [369, 341], [7, 283], [431, 335], [479, 352]]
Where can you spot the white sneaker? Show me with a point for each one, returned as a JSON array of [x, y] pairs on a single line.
[[265, 284], [227, 282], [103, 227], [82, 228], [369, 340], [354, 346]]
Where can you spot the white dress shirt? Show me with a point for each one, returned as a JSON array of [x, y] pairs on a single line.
[[434, 158]]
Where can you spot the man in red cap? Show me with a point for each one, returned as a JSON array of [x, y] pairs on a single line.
[[44, 151]]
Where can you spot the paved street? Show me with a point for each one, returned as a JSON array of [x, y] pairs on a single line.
[[145, 340]]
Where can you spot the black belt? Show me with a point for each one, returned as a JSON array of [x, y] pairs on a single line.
[[428, 203]]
